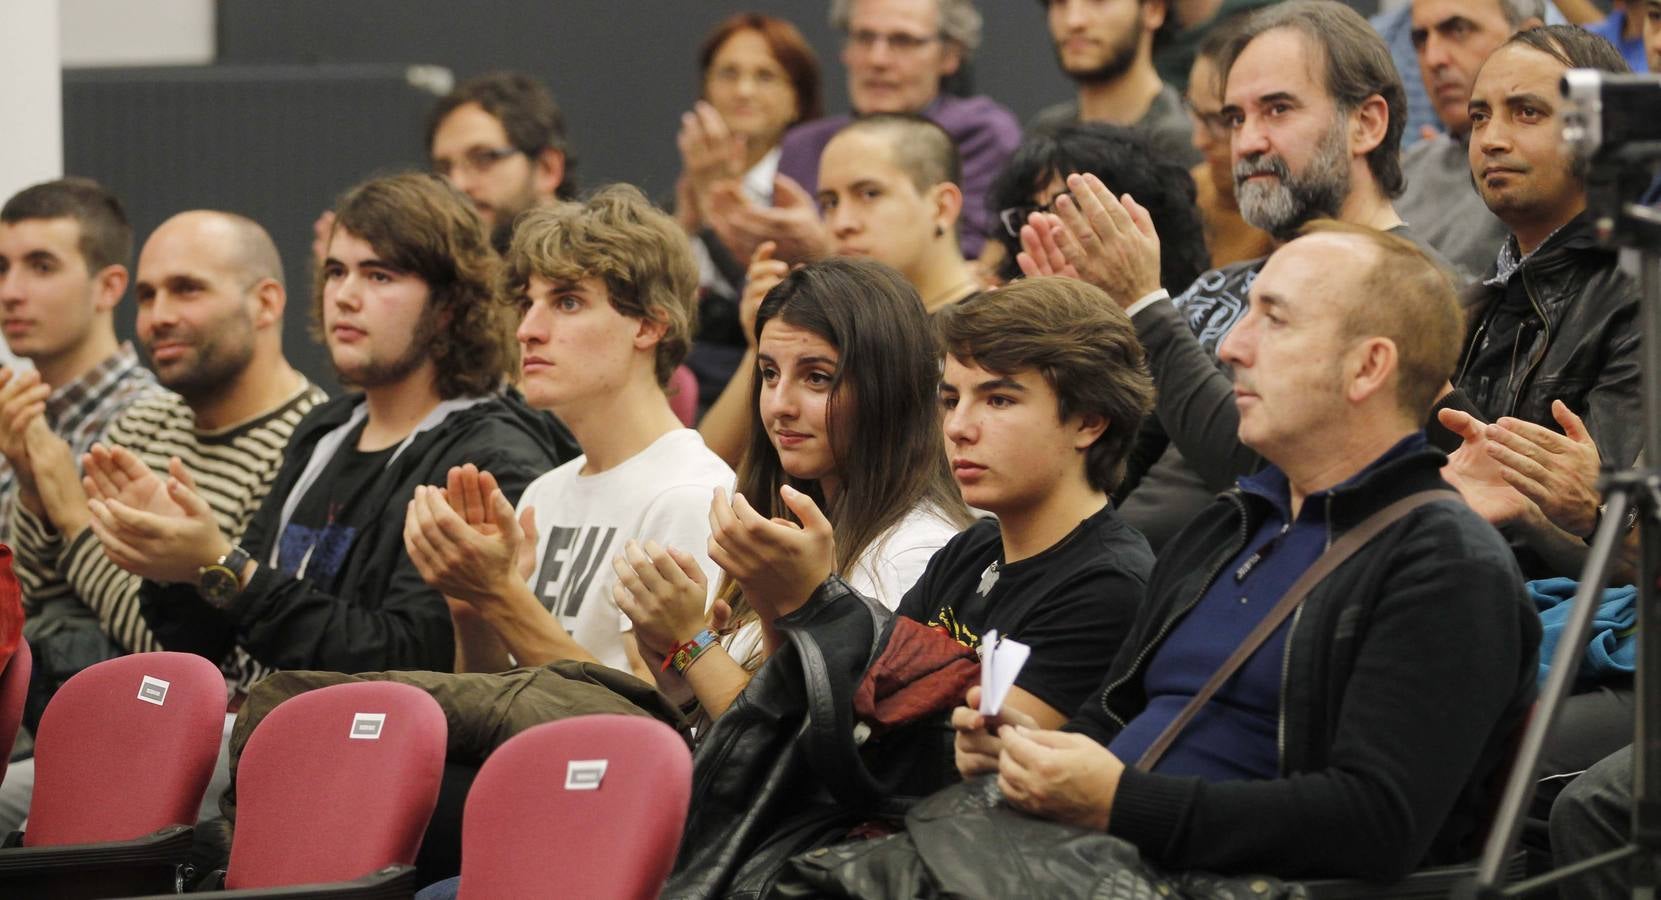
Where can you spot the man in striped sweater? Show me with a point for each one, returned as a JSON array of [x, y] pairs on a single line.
[[210, 298]]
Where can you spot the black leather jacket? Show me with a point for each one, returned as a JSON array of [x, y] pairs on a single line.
[[1577, 343], [1406, 675]]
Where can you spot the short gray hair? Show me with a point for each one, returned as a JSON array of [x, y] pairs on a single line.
[[960, 22], [1519, 11]]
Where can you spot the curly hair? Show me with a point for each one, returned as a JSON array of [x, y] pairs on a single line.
[[1126, 162], [419, 224]]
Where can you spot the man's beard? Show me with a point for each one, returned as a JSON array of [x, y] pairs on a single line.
[[379, 373], [1294, 199], [1120, 57], [220, 361]]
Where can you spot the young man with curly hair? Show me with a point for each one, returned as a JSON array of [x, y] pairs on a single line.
[[320, 579]]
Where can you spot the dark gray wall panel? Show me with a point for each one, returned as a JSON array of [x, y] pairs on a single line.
[[274, 143], [623, 70]]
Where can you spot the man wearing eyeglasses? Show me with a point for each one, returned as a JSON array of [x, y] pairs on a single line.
[[1452, 38], [500, 139], [1106, 47], [898, 54]]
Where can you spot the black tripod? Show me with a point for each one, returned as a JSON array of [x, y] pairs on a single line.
[[1637, 230]]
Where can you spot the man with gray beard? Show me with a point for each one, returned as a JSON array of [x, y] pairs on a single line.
[[1317, 111]]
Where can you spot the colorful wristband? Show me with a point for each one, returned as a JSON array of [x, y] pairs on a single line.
[[684, 655]]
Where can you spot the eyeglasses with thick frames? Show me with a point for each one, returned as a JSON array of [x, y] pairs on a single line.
[[866, 41], [476, 161], [1016, 216]]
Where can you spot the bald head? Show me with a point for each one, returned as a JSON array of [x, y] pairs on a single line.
[[210, 299], [236, 243], [1396, 292]]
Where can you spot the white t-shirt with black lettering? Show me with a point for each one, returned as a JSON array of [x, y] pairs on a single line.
[[660, 494]]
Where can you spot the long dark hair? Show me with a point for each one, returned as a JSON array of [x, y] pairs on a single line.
[[891, 458]]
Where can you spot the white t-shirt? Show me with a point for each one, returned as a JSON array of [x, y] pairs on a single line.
[[885, 571], [661, 494]]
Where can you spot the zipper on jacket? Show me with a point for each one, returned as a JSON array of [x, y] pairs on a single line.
[[1286, 657], [1545, 344], [1171, 620]]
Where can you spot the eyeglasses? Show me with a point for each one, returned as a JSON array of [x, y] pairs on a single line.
[[476, 161], [1213, 122], [898, 41], [1016, 216]]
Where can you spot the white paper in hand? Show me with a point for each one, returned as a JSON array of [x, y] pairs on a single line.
[[1001, 660]]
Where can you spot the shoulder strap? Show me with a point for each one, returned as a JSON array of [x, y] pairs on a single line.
[[1342, 549]]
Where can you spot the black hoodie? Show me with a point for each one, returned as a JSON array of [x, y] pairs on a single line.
[[375, 613]]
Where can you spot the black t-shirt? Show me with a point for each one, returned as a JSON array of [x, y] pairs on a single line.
[[1073, 604], [325, 521]]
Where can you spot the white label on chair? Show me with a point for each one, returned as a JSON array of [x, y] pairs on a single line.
[[153, 690], [367, 726], [584, 774]]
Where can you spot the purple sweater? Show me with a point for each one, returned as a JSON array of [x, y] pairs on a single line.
[[986, 134]]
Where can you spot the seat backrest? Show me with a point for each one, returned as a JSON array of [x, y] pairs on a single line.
[[335, 784], [589, 807], [14, 688], [126, 747]]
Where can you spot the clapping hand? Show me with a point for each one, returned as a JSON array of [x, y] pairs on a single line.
[[160, 530], [777, 563], [464, 538], [663, 592]]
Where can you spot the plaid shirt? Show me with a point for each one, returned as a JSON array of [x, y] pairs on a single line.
[[81, 411]]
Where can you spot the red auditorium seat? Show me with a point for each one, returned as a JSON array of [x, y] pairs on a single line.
[[588, 807], [14, 687]]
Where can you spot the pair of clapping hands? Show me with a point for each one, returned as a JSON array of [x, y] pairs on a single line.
[[465, 540], [1517, 473], [710, 193]]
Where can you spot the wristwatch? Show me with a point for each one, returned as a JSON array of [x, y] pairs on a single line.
[[220, 582]]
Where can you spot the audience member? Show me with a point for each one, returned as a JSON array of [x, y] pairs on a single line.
[[64, 247], [500, 139], [1395, 25], [1558, 318], [1652, 33], [1107, 49], [1228, 235], [1313, 99], [210, 297], [320, 579], [890, 189], [1351, 334], [1624, 29], [1452, 38], [607, 295], [848, 421], [1187, 24], [758, 77], [1043, 387], [898, 53], [1166, 496]]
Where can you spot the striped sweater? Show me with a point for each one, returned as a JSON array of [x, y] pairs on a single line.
[[233, 469]]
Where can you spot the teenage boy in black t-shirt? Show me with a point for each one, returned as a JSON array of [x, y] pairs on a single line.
[[1043, 388]]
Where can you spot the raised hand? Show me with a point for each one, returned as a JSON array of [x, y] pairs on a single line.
[[166, 540], [1480, 478], [1559, 472], [764, 274], [464, 538], [22, 402], [1110, 241], [663, 592], [792, 222], [778, 564]]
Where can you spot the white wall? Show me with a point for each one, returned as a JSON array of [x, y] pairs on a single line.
[[136, 32], [31, 93]]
